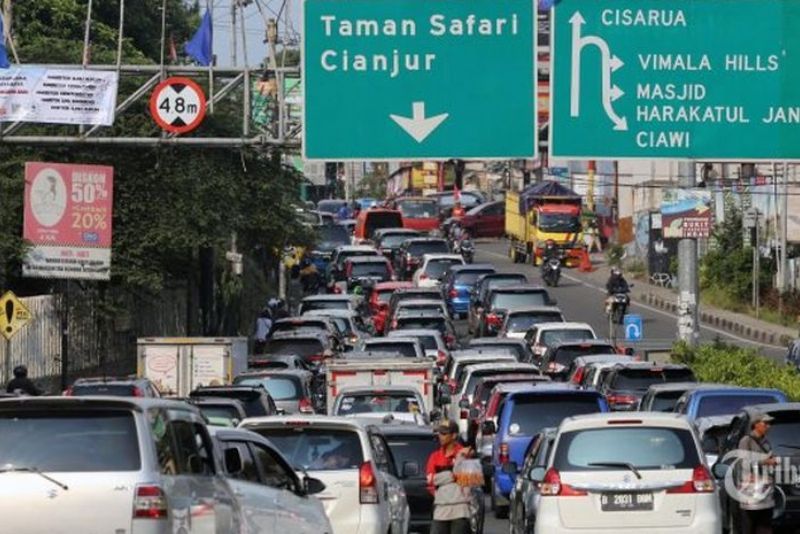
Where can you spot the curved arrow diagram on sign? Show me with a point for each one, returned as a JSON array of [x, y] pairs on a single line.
[[610, 64]]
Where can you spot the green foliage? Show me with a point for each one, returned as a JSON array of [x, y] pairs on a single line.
[[728, 364], [614, 254]]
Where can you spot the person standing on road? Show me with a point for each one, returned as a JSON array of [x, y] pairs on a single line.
[[21, 384], [451, 511], [756, 517], [263, 327]]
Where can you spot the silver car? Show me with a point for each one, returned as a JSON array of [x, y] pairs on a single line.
[[112, 464], [290, 389]]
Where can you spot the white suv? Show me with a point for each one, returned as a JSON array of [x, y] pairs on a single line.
[[362, 493], [615, 472], [542, 335], [434, 267]]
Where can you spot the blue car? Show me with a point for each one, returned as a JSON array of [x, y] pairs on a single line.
[[524, 414], [458, 283], [715, 401]]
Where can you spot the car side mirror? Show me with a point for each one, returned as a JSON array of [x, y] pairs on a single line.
[[312, 486], [537, 474], [510, 468], [720, 470], [488, 428], [410, 469], [233, 461]]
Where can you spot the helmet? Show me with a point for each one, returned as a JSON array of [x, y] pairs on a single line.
[[549, 243], [20, 371], [616, 271]]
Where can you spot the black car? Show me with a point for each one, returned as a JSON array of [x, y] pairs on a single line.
[[626, 383], [498, 300], [255, 399], [367, 271], [784, 436], [388, 240], [558, 358], [411, 446], [409, 256], [311, 345], [219, 411]]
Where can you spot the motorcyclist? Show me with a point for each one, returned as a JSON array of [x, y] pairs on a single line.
[[21, 384], [616, 282], [309, 275], [550, 251]]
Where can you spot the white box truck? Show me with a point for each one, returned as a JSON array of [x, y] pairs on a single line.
[[341, 374], [178, 365]]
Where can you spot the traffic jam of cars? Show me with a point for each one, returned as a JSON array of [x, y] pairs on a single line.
[[402, 351]]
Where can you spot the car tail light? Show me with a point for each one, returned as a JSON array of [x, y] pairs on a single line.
[[449, 339], [553, 487], [493, 319], [423, 276], [394, 324], [367, 484], [615, 399], [137, 392], [701, 482], [453, 293], [305, 406], [441, 358], [316, 357], [150, 502], [578, 376], [68, 392], [502, 454], [337, 290]]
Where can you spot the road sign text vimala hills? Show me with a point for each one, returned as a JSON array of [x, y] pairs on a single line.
[[413, 79], [699, 79]]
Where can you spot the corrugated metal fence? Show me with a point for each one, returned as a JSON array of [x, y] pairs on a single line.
[[101, 341]]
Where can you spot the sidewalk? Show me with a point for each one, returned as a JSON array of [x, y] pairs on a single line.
[[666, 299]]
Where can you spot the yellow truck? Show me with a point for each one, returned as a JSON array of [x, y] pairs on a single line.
[[543, 211]]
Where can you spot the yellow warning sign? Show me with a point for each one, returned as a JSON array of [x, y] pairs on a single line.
[[13, 315]]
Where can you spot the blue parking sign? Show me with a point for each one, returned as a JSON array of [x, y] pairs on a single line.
[[633, 327]]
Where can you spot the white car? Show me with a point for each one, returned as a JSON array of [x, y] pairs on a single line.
[[398, 403], [432, 342], [517, 322], [362, 493], [542, 335], [267, 486], [627, 472], [433, 268]]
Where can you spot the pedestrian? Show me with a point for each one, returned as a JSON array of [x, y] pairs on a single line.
[[755, 475], [451, 503], [21, 384], [263, 327]]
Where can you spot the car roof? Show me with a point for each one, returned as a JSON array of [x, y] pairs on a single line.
[[500, 276], [680, 386], [216, 401], [442, 256], [535, 309], [512, 377], [603, 420], [351, 390], [519, 288], [304, 420], [459, 355], [509, 387], [396, 285], [237, 434], [704, 424], [356, 248], [329, 298], [331, 313], [473, 267], [92, 380], [552, 387], [302, 333], [126, 403], [301, 373], [385, 231], [605, 358], [772, 408], [392, 340], [301, 319], [420, 302], [581, 343], [367, 259], [650, 365], [375, 355], [230, 387], [412, 240], [566, 325], [413, 332], [720, 389], [481, 341], [402, 428], [501, 366]]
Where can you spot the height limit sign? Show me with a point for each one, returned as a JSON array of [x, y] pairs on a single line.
[[178, 105]]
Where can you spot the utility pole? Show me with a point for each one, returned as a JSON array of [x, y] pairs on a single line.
[[592, 168], [688, 328], [234, 4]]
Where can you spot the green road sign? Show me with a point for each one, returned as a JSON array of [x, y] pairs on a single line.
[[414, 79], [698, 79]]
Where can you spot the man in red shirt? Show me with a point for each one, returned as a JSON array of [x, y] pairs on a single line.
[[451, 501]]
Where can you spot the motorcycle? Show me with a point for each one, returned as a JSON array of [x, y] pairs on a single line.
[[551, 272], [466, 249], [617, 306]]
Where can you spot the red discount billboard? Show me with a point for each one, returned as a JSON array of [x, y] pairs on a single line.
[[68, 211]]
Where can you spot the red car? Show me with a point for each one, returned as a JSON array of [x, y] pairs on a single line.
[[486, 220], [379, 302], [419, 213]]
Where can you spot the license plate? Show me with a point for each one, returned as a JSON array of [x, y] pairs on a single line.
[[626, 502]]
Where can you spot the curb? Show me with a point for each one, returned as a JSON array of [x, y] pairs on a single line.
[[760, 335]]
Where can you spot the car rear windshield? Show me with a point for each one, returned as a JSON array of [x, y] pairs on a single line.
[[330, 236], [345, 255], [422, 323], [288, 326], [416, 449], [643, 378], [643, 447], [220, 415], [419, 209], [428, 247], [371, 269], [477, 375], [518, 299], [394, 240], [280, 388], [376, 221], [521, 322], [330, 206], [302, 347], [784, 433], [531, 413], [404, 350], [551, 337], [113, 390], [316, 449], [726, 405], [666, 401], [567, 355], [429, 306], [251, 400], [385, 295], [468, 278], [428, 342], [378, 403], [503, 281], [436, 268], [516, 349], [69, 441]]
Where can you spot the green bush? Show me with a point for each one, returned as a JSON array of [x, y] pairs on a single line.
[[728, 364]]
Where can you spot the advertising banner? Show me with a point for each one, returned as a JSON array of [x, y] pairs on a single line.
[[686, 213], [68, 211], [58, 96]]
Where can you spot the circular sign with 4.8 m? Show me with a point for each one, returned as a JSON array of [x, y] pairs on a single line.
[[178, 105]]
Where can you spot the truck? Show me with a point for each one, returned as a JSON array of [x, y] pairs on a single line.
[[543, 211], [379, 372], [179, 365]]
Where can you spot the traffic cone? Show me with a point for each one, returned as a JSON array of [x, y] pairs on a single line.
[[585, 265]]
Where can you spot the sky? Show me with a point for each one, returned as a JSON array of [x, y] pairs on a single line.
[[254, 29]]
